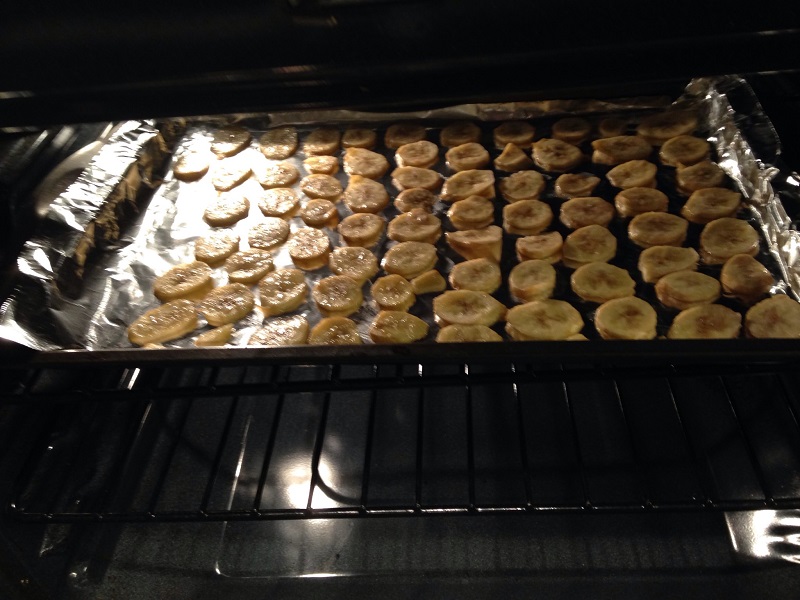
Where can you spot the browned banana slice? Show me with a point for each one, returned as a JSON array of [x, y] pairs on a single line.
[[283, 331], [359, 137], [322, 165], [659, 128], [309, 248], [637, 200], [467, 307], [684, 150], [524, 185], [405, 178], [362, 229], [626, 319], [612, 127], [478, 274], [282, 291], [324, 140], [705, 205], [477, 243], [393, 292], [227, 304], [397, 327], [527, 217], [219, 336], [403, 133], [216, 246], [745, 278], [467, 156], [190, 280], [723, 238], [704, 174], [580, 212], [775, 317], [556, 156], [272, 232], [576, 185], [334, 331], [574, 130], [532, 280], [634, 173], [415, 226], [467, 333], [277, 175], [620, 149], [684, 289], [365, 195], [168, 322], [338, 296], [366, 163], [543, 320], [408, 200], [321, 186], [657, 229], [320, 213], [592, 243], [190, 166], [410, 259], [355, 262], [518, 133], [468, 183], [474, 212], [708, 321], [226, 209], [422, 154], [600, 282], [230, 140], [227, 173], [657, 261], [278, 202], [512, 159], [279, 143], [545, 246], [460, 132], [248, 266]]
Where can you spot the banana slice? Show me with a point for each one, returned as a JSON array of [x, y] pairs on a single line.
[[637, 200], [723, 238], [415, 226], [512, 159], [524, 185], [190, 280], [600, 282], [278, 202], [226, 209], [477, 243], [527, 217], [659, 128], [397, 327], [532, 280], [227, 173], [775, 317], [190, 166], [359, 137], [657, 261], [393, 292], [580, 212], [216, 246], [576, 185], [592, 243], [309, 248], [467, 156], [279, 143], [320, 213], [321, 186], [248, 266], [428, 283], [473, 212], [466, 307], [322, 165], [704, 174], [168, 322], [272, 232], [230, 140], [612, 127], [405, 178], [478, 274], [626, 319], [219, 336], [324, 140], [410, 259], [355, 262], [657, 229], [338, 296], [620, 149], [518, 133], [574, 130], [282, 291], [705, 205], [545, 246], [422, 154], [408, 200], [745, 278], [468, 183], [634, 173], [283, 331], [556, 156], [362, 229], [335, 331], [684, 150], [366, 163], [684, 289], [227, 304], [460, 132], [364, 195], [708, 321], [401, 134], [277, 175], [467, 333], [543, 320]]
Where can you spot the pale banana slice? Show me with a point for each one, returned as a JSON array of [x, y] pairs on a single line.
[[460, 132], [322, 165], [393, 292], [657, 229], [400, 134], [408, 200], [279, 143], [684, 150], [575, 185], [637, 200], [657, 261], [574, 130], [366, 163], [249, 266], [634, 173], [580, 212], [270, 233], [466, 307], [468, 183], [600, 282], [708, 321], [216, 246], [334, 331], [227, 173], [355, 262], [359, 137], [230, 140], [219, 336], [226, 209], [473, 212], [556, 156], [467, 333], [278, 202], [527, 217], [227, 304], [190, 166], [324, 140], [628, 318], [512, 159], [659, 128], [277, 175], [467, 156], [320, 213], [775, 317], [477, 243], [410, 259], [282, 291], [543, 320], [592, 243], [415, 226], [532, 280], [365, 195], [704, 174], [404, 178], [190, 280], [422, 154], [545, 246], [283, 331], [338, 296], [309, 248], [478, 274], [745, 278], [518, 133], [620, 149], [167, 322], [684, 289], [707, 204], [362, 229], [397, 327], [428, 283], [524, 185], [321, 186], [723, 238], [612, 127]]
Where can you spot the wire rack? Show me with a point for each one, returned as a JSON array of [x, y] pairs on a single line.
[[333, 441]]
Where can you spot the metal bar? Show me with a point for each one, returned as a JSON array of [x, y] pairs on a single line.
[[319, 441], [470, 443], [420, 444], [365, 473], [637, 465], [788, 398], [523, 443], [579, 455], [273, 434], [170, 455]]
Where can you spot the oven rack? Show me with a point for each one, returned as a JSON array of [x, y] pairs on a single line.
[[203, 443]]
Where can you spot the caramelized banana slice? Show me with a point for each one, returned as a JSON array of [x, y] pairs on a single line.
[[576, 185], [775, 317], [355, 262], [545, 246], [525, 185], [478, 274], [227, 304], [338, 296], [466, 307], [708, 321], [592, 243], [322, 165], [216, 246], [657, 261], [397, 327], [279, 143], [620, 149], [634, 173], [684, 150], [626, 319], [745, 278], [612, 127], [320, 213], [638, 200], [362, 229], [412, 198], [272, 232], [321, 186], [574, 130], [473, 212], [279, 202], [684, 289], [422, 154], [225, 210], [723, 238], [190, 280], [518, 133], [277, 175], [657, 229], [659, 128], [190, 166], [460, 132], [227, 173], [705, 205], [512, 159], [410, 259], [248, 266], [219, 336], [359, 137], [543, 320], [467, 333], [580, 212], [282, 291], [283, 331], [477, 243], [527, 217], [468, 183], [467, 156], [403, 133], [415, 226], [600, 282], [556, 156], [366, 163], [309, 249], [404, 178], [364, 195], [230, 140], [168, 322], [335, 331], [324, 140], [704, 174], [393, 292], [428, 283], [532, 280]]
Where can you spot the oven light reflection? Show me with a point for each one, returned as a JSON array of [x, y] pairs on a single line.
[[298, 484], [766, 533]]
